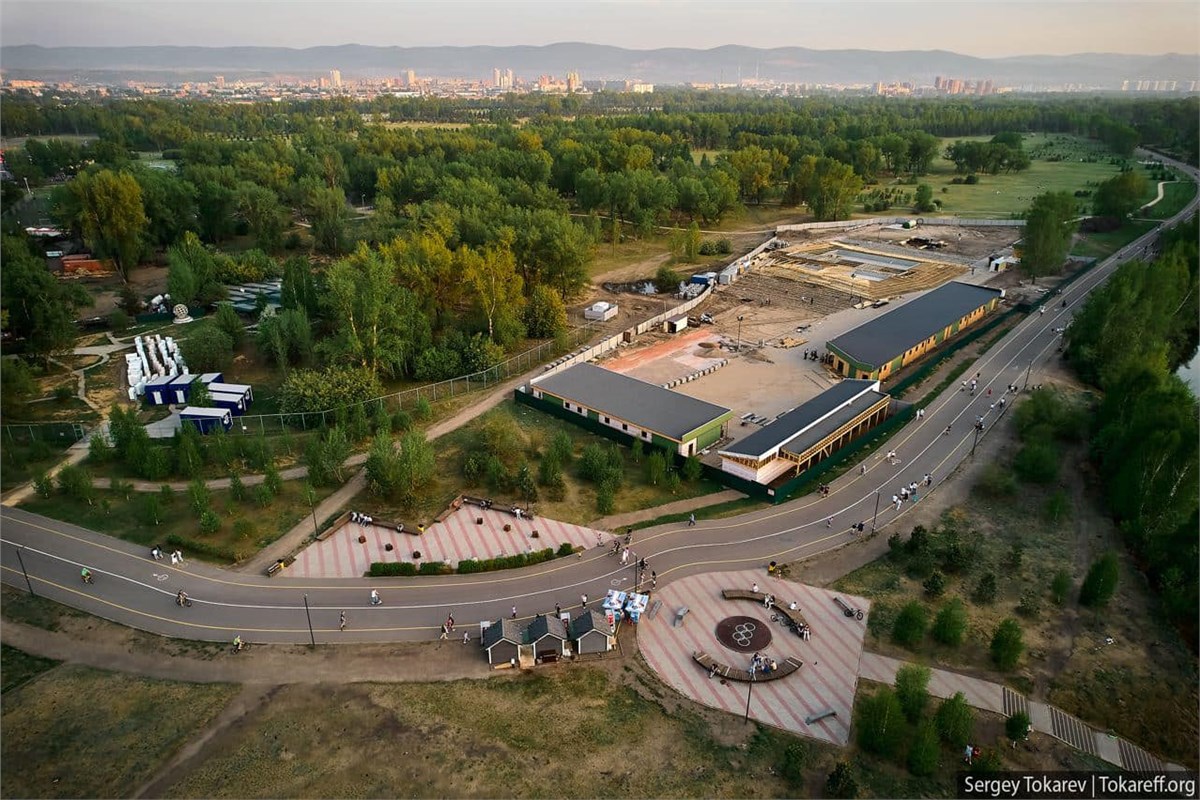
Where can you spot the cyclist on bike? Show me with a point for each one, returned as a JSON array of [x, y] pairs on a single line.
[[86, 574], [237, 643], [181, 598]]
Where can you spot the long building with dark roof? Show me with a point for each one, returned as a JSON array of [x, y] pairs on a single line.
[[876, 349], [638, 409], [812, 431]]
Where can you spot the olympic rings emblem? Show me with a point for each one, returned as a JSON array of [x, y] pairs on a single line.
[[743, 634]]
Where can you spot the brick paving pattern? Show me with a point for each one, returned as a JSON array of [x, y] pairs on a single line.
[[827, 680], [456, 539]]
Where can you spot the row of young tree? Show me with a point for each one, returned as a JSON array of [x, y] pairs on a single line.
[[1128, 340]]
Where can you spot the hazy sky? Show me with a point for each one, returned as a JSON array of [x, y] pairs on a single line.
[[996, 28]]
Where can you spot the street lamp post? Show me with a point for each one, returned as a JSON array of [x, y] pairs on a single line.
[[311, 636], [876, 511], [308, 492], [978, 430], [749, 694], [739, 342]]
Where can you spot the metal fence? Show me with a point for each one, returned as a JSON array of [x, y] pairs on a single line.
[[432, 392], [63, 434]]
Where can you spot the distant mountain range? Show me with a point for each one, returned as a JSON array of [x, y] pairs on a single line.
[[591, 61]]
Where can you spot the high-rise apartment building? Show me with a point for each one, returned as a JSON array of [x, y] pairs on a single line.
[[220, 81], [335, 78], [573, 82], [410, 79], [496, 77]]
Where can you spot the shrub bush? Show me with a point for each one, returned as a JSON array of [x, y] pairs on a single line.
[[388, 569], [950, 625], [910, 624], [1007, 644], [1101, 582]]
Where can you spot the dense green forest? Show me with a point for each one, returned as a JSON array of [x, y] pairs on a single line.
[[1129, 338], [475, 237]]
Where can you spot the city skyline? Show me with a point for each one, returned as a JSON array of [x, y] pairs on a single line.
[[983, 29]]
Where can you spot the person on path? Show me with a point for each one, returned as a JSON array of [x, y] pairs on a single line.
[[963, 388], [237, 643], [653, 579], [466, 637], [691, 520], [625, 556], [450, 623], [177, 556], [754, 588], [342, 621], [156, 553], [583, 601], [514, 612], [375, 597], [444, 632], [862, 469], [829, 522], [1042, 310], [947, 431], [769, 601], [928, 479], [557, 610]]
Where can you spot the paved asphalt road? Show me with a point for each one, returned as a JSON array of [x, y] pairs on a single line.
[[134, 590]]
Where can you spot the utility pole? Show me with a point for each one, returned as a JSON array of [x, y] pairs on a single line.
[[1028, 370], [876, 511]]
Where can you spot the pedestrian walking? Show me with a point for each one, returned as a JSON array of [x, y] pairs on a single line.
[[583, 600], [514, 612], [177, 556], [754, 588], [625, 556], [928, 479], [174, 560], [989, 391], [963, 388], [947, 431], [862, 469], [445, 632], [450, 622], [653, 579], [691, 520], [1042, 310], [466, 637], [829, 522], [557, 610], [342, 621]]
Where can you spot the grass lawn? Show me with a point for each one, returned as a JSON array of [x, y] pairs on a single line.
[[246, 526], [18, 667], [574, 732], [1175, 197], [1103, 245], [80, 732], [1006, 194]]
